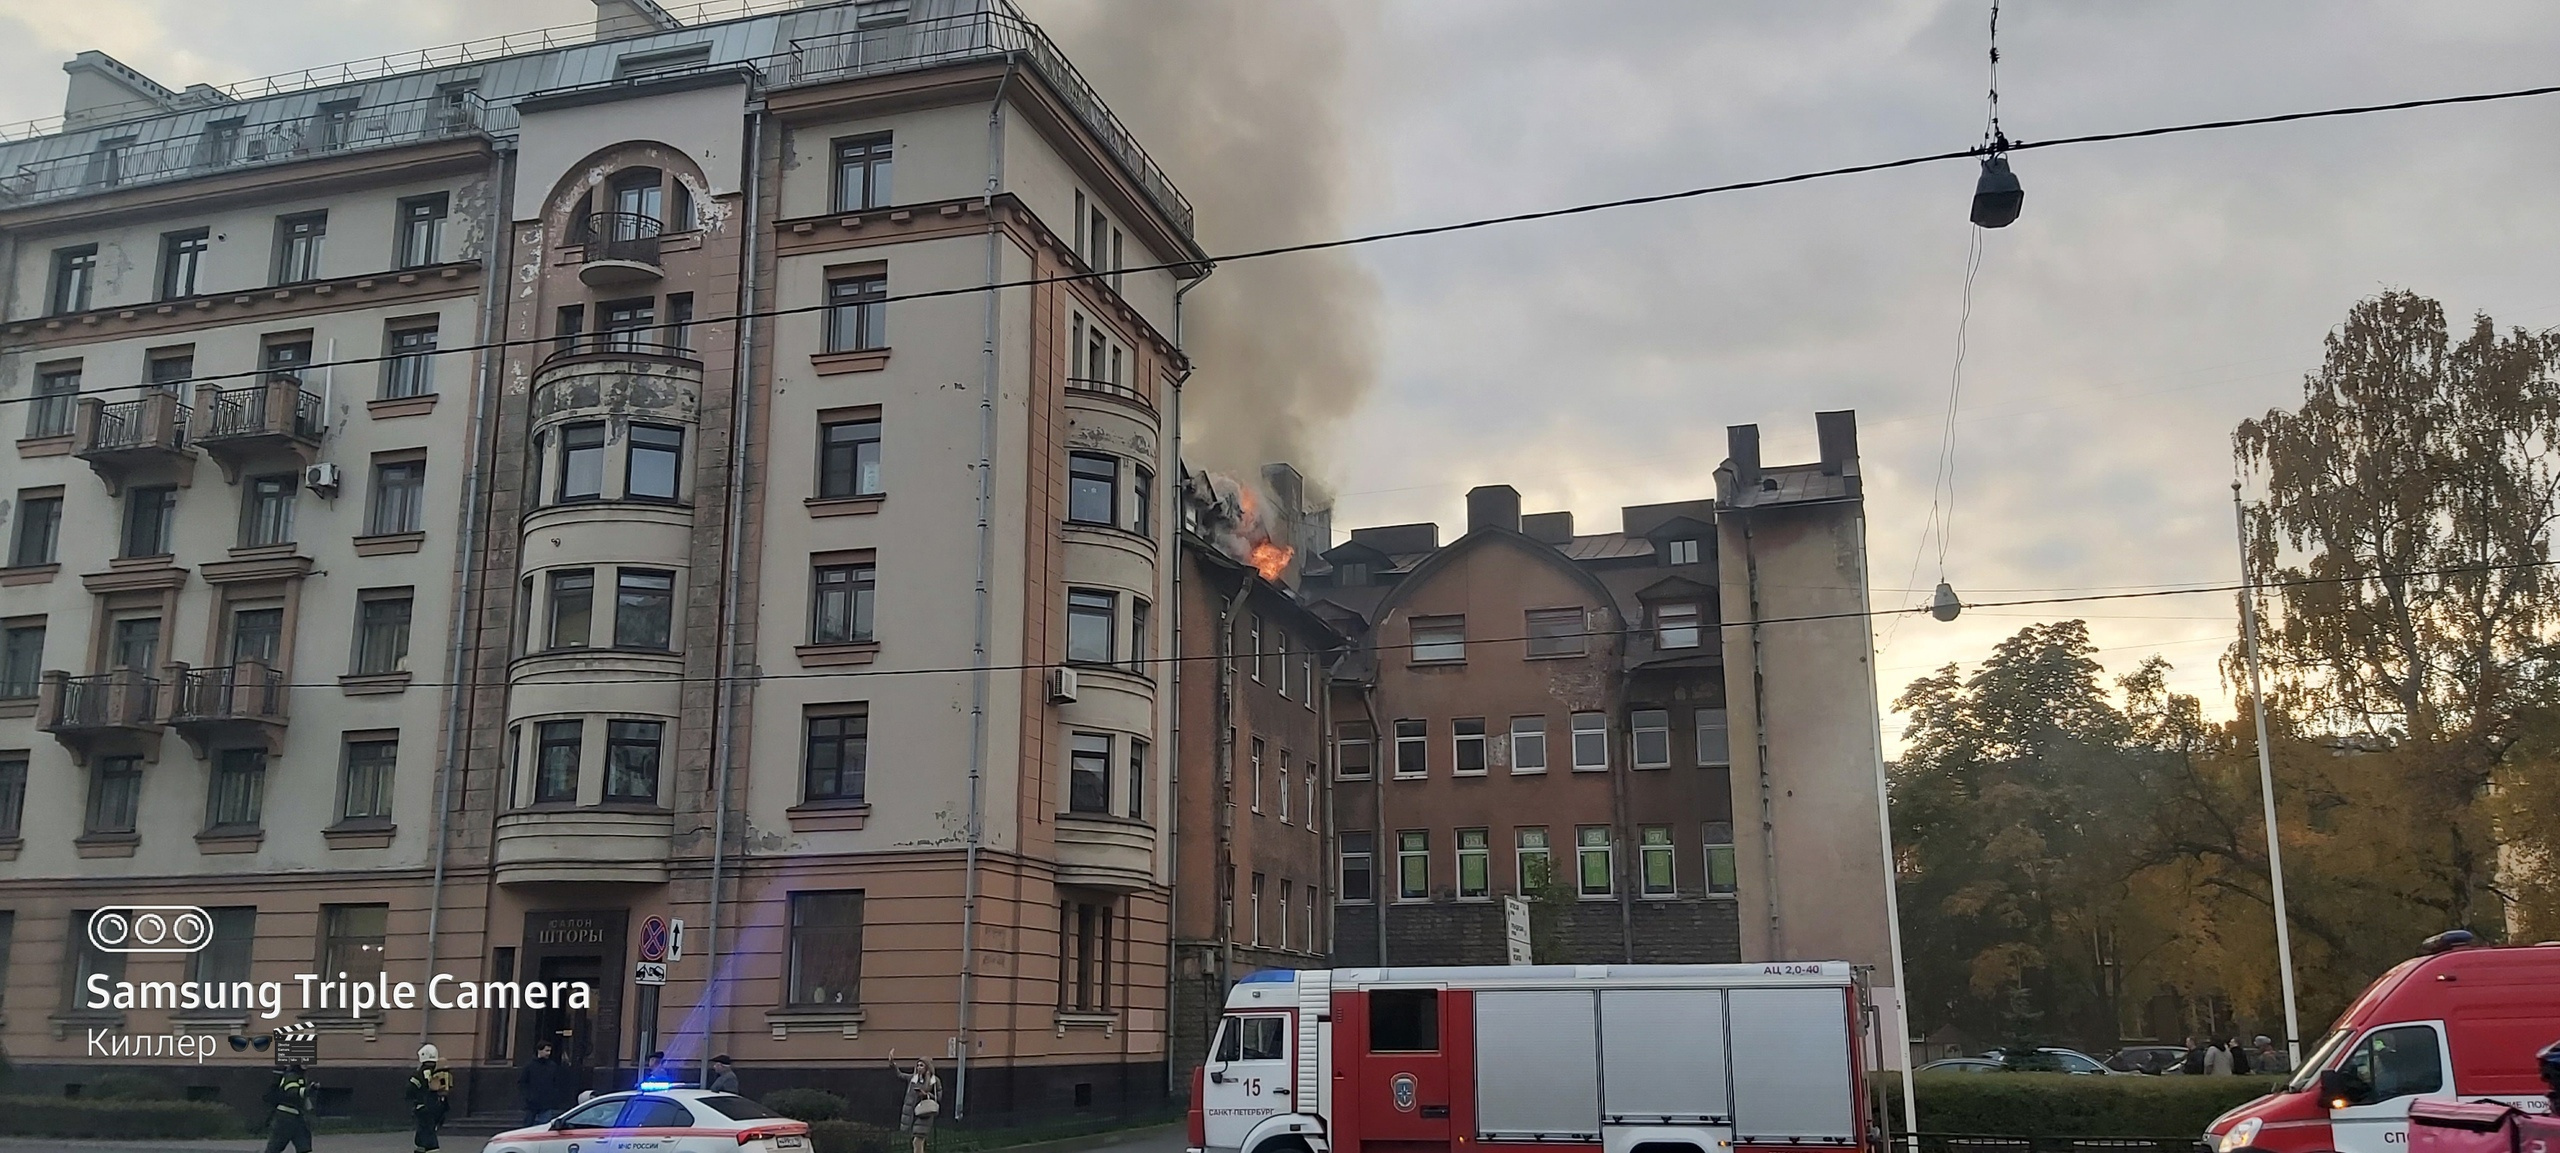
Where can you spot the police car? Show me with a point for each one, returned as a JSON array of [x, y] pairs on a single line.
[[655, 1120]]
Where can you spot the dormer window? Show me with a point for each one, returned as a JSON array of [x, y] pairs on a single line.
[[1680, 551], [1675, 626], [1351, 576]]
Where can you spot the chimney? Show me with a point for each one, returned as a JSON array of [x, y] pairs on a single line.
[[104, 90], [1838, 432], [618, 18], [1555, 528], [1742, 450], [1493, 506]]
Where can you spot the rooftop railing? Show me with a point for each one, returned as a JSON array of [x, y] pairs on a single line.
[[228, 145]]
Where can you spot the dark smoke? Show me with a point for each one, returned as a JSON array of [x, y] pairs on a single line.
[[1248, 105]]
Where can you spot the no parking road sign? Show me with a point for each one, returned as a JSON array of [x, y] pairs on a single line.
[[653, 938]]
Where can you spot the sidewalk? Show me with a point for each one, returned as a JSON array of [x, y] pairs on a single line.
[[325, 1143]]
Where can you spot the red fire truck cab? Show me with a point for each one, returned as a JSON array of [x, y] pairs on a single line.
[[1539, 1059], [2457, 1022]]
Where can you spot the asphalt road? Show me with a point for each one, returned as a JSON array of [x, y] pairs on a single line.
[[1168, 1139]]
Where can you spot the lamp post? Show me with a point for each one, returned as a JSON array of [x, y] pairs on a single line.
[[2266, 781]]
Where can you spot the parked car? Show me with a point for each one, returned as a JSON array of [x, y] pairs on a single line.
[[2048, 1059], [2152, 1059], [1964, 1065]]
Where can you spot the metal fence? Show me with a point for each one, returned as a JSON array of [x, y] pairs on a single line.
[[128, 424], [1996, 1143], [244, 412], [232, 144]]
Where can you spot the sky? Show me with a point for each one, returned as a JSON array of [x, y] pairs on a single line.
[[2152, 295]]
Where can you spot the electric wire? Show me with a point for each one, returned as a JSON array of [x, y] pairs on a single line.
[[1180, 267]]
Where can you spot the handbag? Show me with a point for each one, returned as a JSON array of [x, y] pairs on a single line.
[[927, 1107]]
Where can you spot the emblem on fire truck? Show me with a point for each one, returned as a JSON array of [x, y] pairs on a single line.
[[1403, 1089]]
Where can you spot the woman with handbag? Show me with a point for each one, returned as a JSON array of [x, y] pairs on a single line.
[[923, 1101]]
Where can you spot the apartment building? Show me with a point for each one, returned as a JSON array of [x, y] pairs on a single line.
[[1594, 721], [1252, 859], [627, 498]]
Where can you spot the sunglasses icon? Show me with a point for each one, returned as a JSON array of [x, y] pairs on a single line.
[[240, 1044]]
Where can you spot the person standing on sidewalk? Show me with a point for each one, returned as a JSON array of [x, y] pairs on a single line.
[[723, 1079], [546, 1085], [289, 1104], [429, 1092], [922, 1103]]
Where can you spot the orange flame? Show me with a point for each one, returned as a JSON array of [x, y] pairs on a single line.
[[1271, 558]]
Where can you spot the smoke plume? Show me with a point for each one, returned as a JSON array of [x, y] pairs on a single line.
[[1248, 105]]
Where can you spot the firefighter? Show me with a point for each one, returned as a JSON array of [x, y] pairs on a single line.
[[428, 1091], [289, 1103]]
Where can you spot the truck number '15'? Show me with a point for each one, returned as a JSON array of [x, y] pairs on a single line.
[[1253, 1086]]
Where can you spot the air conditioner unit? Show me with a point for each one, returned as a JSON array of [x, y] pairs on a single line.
[[1062, 685], [321, 478]]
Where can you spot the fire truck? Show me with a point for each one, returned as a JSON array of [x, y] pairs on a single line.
[[1539, 1059]]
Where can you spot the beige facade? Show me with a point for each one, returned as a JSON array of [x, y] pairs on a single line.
[[769, 572]]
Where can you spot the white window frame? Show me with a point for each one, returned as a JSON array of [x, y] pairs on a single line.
[[1422, 741], [1256, 752], [1520, 765], [1636, 733], [1664, 625], [1522, 852], [1646, 850], [1607, 849], [1483, 854], [1722, 725], [1341, 742], [1407, 849], [1284, 786], [1590, 723], [1684, 551], [1458, 740], [1448, 645]]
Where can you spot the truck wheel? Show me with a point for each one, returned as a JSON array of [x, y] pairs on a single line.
[[1282, 1145]]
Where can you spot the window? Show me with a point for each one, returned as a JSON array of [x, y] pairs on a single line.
[[1280, 661], [1256, 778], [83, 959], [1138, 650], [1590, 742], [1256, 910], [1357, 868], [1439, 639], [257, 634], [2397, 1062], [1254, 647], [181, 258], [285, 360], [21, 660], [573, 605], [631, 760], [1651, 737], [115, 792], [637, 199], [1713, 749], [840, 605], [1720, 872], [226, 954], [1284, 786], [411, 371], [1116, 264], [266, 510], [169, 371], [1404, 1021], [1529, 856], [1557, 632], [421, 230], [680, 311], [1142, 499], [136, 644], [382, 632], [1089, 625], [239, 787], [1413, 739], [1592, 856], [365, 793], [627, 323], [644, 610], [826, 948], [220, 143], [1469, 738], [39, 530], [298, 242], [1137, 779], [13, 811], [835, 754], [849, 458], [1314, 820], [1413, 865], [559, 746], [49, 411], [857, 313], [1475, 865], [581, 462], [337, 122], [1307, 671], [351, 940], [1675, 626], [1093, 488], [1097, 236], [1528, 744], [75, 271], [1285, 890], [1353, 744], [1681, 552], [1089, 773], [1653, 845], [399, 498], [572, 320], [862, 173], [1084, 957], [650, 471], [150, 517]]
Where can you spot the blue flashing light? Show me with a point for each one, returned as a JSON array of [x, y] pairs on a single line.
[[1269, 976], [656, 1086]]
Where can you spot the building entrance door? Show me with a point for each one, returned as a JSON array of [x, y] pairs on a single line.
[[577, 945]]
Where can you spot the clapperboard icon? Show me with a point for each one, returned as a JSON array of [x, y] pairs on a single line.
[[298, 1043]]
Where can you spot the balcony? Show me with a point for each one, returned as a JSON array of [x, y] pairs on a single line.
[[621, 249], [146, 434], [624, 372], [262, 421], [1105, 852], [575, 845], [221, 706], [279, 134], [117, 712]]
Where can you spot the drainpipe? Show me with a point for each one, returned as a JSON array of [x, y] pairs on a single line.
[[465, 627], [1884, 826], [1379, 856], [725, 707], [983, 650], [1760, 737], [1225, 879], [1172, 547]]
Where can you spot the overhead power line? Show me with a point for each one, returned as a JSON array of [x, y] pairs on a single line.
[[1256, 654], [1437, 229]]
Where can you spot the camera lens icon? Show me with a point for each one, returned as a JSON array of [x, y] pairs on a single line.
[[150, 929]]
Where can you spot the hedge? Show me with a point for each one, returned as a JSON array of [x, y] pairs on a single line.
[[806, 1104], [853, 1137], [2064, 1105], [74, 1117]]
